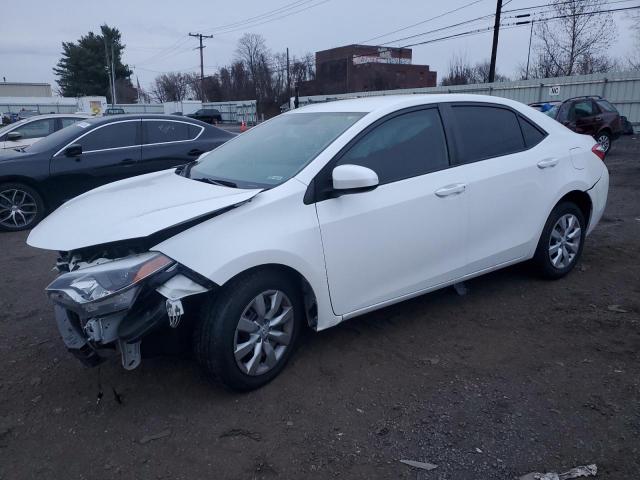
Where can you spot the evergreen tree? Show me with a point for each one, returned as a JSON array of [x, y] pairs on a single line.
[[83, 70]]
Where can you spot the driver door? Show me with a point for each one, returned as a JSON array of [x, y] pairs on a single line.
[[408, 234]]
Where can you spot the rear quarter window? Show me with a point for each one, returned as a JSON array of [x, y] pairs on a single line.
[[532, 134]]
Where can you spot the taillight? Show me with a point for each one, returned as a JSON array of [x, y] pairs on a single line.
[[599, 151]]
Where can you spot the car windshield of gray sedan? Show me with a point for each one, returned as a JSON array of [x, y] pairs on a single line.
[[270, 154]]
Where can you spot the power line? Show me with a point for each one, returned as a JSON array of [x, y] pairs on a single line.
[[421, 22], [269, 20], [201, 48], [261, 16]]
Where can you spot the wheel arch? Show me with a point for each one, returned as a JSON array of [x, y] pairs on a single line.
[[306, 290], [26, 181], [582, 200]]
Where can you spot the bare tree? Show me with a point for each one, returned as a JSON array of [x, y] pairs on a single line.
[[634, 59], [253, 52], [461, 72], [576, 43], [170, 87]]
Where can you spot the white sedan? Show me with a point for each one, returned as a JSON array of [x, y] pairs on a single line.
[[28, 131], [315, 217]]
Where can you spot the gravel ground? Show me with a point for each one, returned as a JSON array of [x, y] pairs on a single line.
[[519, 375]]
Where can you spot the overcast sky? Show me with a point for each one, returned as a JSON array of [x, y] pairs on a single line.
[[155, 31]]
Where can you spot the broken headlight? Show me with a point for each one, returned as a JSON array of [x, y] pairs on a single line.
[[110, 286]]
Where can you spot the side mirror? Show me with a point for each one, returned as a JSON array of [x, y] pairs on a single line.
[[13, 136], [353, 178], [73, 150]]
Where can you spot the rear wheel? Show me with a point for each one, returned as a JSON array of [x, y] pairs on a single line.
[[561, 242], [21, 207], [249, 329], [604, 139]]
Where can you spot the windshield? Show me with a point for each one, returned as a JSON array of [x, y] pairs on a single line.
[[272, 153], [552, 112]]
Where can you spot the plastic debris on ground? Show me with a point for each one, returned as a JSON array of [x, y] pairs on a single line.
[[421, 465], [582, 471]]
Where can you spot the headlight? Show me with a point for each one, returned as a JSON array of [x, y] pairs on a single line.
[[111, 279]]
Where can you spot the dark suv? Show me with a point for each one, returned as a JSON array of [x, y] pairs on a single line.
[[207, 115], [591, 115]]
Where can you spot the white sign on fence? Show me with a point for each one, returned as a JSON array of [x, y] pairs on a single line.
[[554, 91]]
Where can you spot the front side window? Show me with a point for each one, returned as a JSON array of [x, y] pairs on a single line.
[[272, 153], [159, 131], [405, 146], [486, 131], [114, 135], [37, 128]]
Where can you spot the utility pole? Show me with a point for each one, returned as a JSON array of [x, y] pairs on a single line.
[[201, 47], [288, 80], [494, 48], [113, 77], [529, 54], [109, 67]]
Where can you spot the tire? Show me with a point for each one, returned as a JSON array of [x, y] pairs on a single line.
[[21, 207], [217, 335], [604, 139], [545, 261]]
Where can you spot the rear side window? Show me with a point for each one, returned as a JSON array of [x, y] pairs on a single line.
[[159, 131], [69, 121], [405, 146], [115, 135], [532, 134], [606, 106], [486, 132]]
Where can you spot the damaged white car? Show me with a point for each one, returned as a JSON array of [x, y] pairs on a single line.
[[317, 216]]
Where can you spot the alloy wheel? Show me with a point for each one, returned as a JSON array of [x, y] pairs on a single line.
[[17, 208], [263, 333], [605, 142], [564, 243]]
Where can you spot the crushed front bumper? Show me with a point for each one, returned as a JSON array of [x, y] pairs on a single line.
[[158, 304]]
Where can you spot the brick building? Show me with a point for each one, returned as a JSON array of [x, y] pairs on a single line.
[[358, 68]]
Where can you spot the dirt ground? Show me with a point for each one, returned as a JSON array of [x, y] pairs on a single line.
[[519, 375]]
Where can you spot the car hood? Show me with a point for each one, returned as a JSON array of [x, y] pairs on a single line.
[[132, 208]]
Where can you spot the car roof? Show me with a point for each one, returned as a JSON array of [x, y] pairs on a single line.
[[390, 102], [138, 116]]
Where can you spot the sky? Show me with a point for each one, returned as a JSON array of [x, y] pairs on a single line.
[[155, 32]]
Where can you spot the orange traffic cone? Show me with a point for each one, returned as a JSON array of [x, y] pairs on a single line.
[[243, 126]]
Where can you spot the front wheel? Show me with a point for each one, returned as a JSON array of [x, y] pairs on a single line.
[[248, 330], [561, 242], [21, 207]]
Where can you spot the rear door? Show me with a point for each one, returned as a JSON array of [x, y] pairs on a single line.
[[169, 143], [110, 152], [511, 176], [406, 235]]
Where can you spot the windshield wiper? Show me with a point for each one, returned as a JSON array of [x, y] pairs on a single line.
[[217, 181]]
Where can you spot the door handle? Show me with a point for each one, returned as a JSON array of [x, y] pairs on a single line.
[[127, 161], [448, 190], [195, 152], [548, 163], [598, 119]]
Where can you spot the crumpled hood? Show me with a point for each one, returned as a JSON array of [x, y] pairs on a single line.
[[132, 208]]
